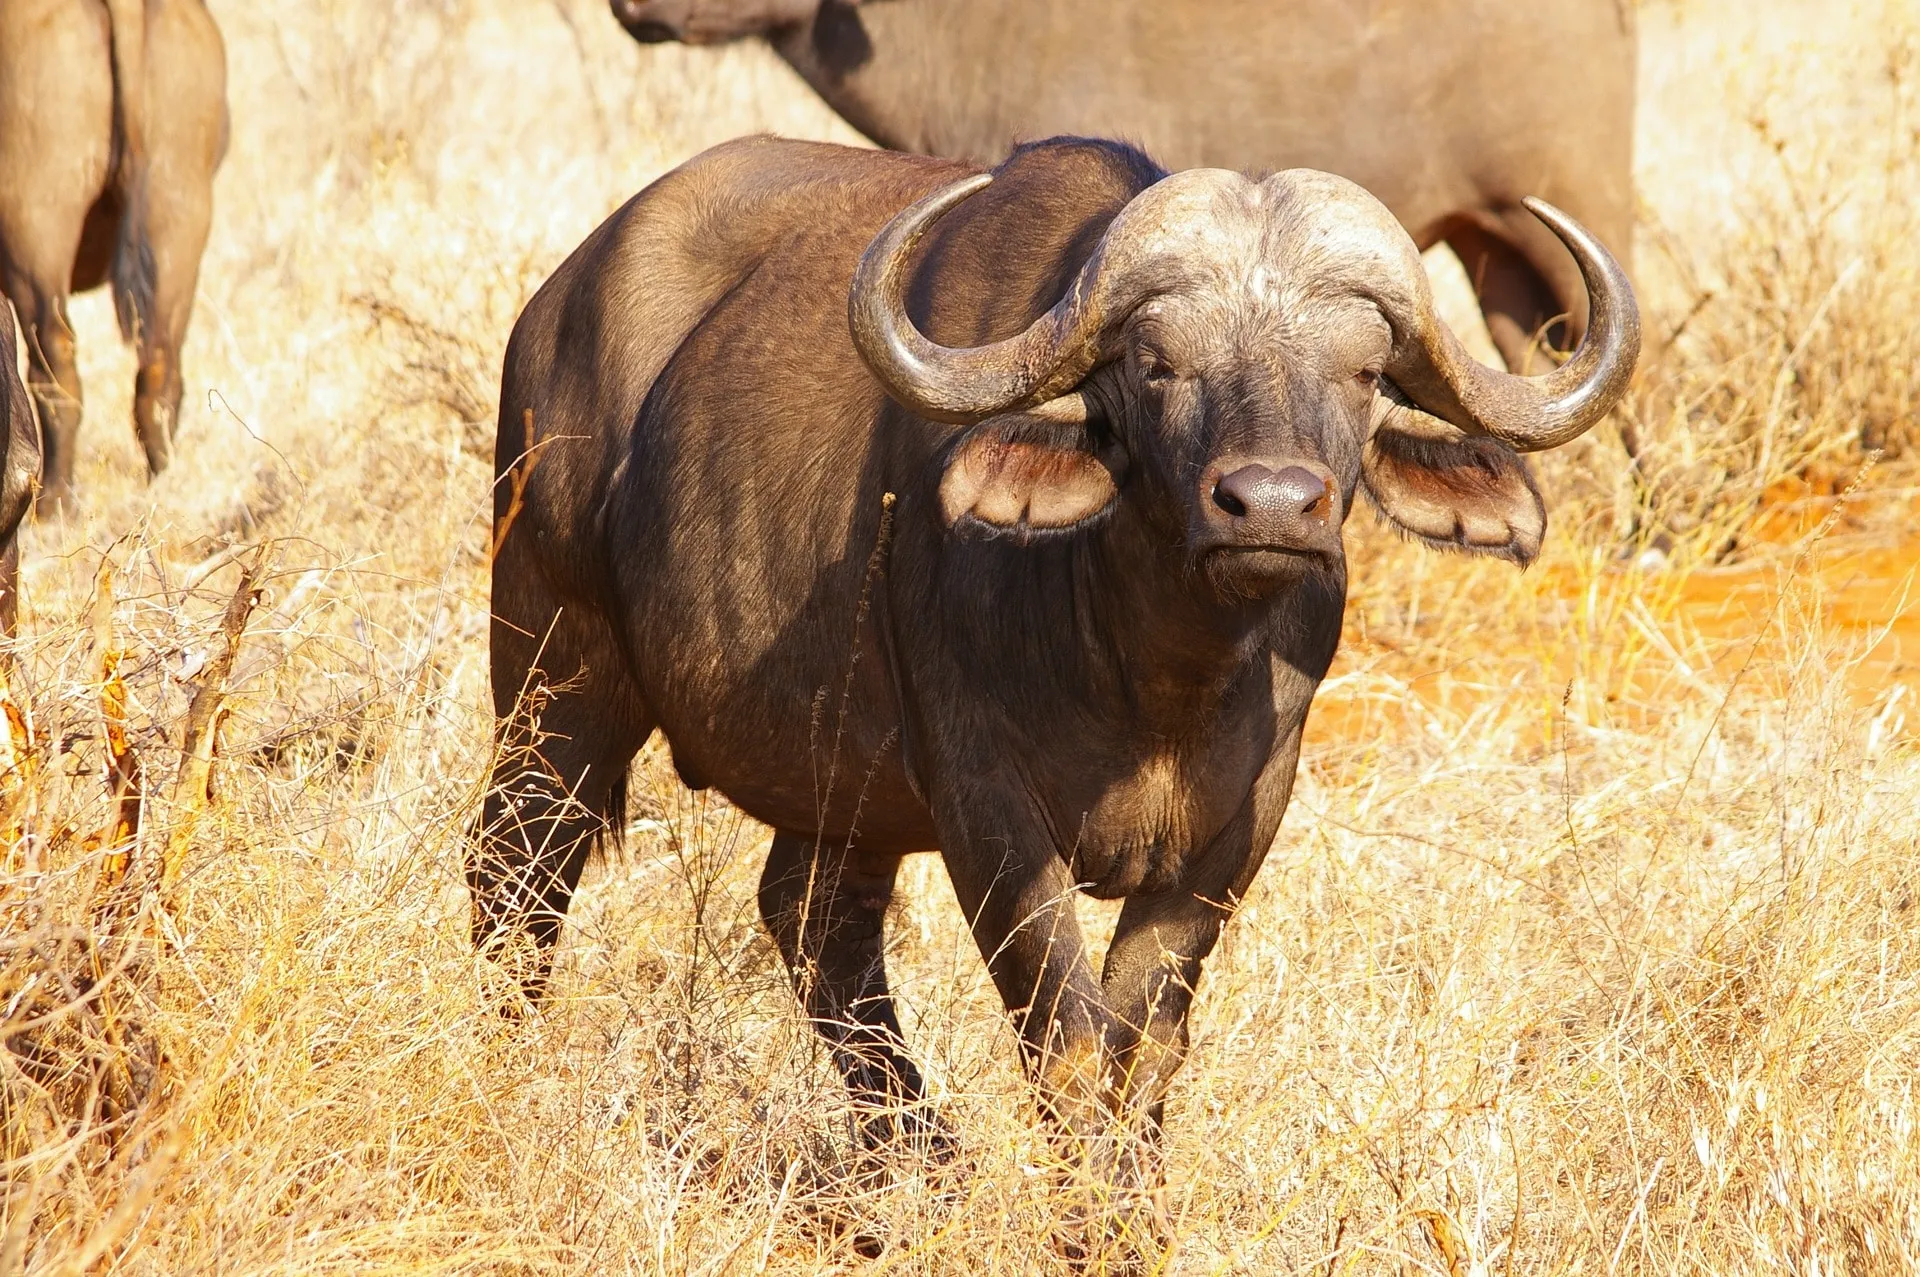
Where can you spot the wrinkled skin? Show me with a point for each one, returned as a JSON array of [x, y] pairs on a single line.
[[103, 184], [1063, 654], [19, 470], [1450, 113]]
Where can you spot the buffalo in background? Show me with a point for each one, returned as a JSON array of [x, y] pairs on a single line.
[[1450, 112], [19, 469], [113, 119], [1049, 590]]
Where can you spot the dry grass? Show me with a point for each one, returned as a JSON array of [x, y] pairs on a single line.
[[1590, 943]]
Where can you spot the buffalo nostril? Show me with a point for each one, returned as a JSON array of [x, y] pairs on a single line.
[[1227, 501], [1244, 491], [1306, 492]]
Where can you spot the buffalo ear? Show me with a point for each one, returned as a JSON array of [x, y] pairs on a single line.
[[1022, 473], [1456, 494]]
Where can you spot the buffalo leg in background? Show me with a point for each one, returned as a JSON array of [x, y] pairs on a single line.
[[10, 586], [53, 375], [51, 110], [157, 386], [1517, 278], [559, 775], [19, 468], [827, 910], [186, 70]]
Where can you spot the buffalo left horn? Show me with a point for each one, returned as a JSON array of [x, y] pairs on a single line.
[[1528, 414]]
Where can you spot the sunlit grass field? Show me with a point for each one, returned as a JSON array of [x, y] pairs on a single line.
[[1590, 943]]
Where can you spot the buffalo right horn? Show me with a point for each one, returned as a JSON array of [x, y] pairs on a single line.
[[1146, 247], [971, 384]]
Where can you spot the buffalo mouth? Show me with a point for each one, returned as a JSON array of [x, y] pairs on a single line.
[[1291, 551], [1258, 569], [1266, 551]]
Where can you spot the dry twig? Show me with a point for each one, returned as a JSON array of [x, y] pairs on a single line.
[[125, 777], [517, 476], [197, 742]]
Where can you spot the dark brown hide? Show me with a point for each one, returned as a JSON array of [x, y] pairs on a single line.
[[1449, 112], [1043, 645], [19, 470], [113, 119]]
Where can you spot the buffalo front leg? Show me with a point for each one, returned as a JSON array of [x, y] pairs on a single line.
[[1160, 942], [1018, 897], [1152, 968], [826, 909]]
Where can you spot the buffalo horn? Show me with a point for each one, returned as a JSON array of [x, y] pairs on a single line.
[[967, 385], [1528, 414]]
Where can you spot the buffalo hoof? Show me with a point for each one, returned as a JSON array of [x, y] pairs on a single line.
[[921, 1148], [916, 1132], [1117, 1220], [634, 15], [914, 1151], [1129, 1233]]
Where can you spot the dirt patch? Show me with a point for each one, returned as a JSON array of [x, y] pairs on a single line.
[[1622, 646]]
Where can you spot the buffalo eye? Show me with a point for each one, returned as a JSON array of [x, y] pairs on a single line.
[[1367, 379], [1155, 370]]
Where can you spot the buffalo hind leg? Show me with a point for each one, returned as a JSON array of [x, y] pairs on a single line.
[[177, 222], [185, 64], [158, 386], [826, 910], [558, 785]]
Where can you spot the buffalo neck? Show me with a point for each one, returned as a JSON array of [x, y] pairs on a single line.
[[1110, 622], [1187, 643]]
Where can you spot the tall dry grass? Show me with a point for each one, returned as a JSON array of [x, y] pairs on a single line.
[[1589, 943]]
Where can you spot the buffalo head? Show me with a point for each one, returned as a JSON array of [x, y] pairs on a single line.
[[1244, 356]]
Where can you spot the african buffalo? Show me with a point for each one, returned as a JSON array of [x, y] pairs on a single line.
[[1048, 589], [113, 118], [19, 469], [1450, 112]]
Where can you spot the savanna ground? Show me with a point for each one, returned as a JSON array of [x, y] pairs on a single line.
[[1590, 943]]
